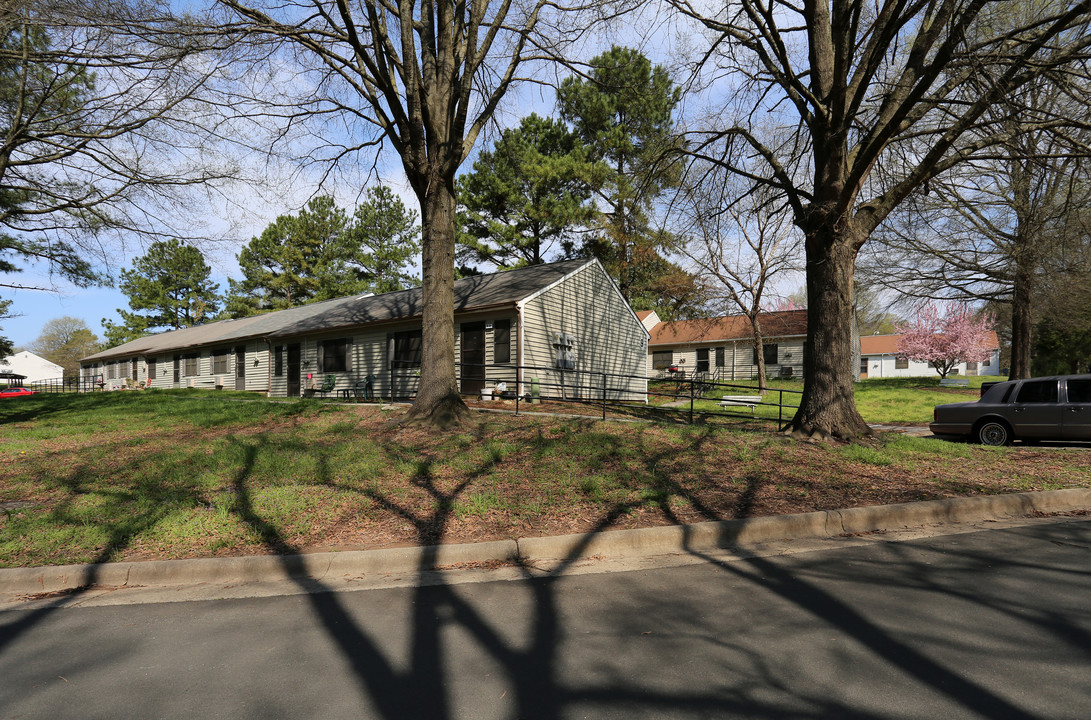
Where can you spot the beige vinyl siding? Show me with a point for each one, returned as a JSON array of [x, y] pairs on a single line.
[[278, 386], [738, 358], [162, 371], [257, 367], [608, 338], [367, 356], [370, 356]]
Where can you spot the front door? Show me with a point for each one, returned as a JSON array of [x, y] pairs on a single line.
[[1036, 411], [1076, 414], [702, 360], [294, 388], [473, 358], [151, 370], [240, 367]]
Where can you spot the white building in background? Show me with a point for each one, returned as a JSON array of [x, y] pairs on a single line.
[[33, 367], [879, 358]]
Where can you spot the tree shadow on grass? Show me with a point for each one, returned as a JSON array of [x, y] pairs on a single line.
[[160, 501], [420, 688], [532, 662]]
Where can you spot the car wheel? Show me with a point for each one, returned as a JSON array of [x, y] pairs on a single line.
[[993, 432]]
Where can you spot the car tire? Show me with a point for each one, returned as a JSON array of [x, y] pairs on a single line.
[[994, 433]]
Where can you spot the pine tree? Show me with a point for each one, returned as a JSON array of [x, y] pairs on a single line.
[[321, 253], [623, 113], [379, 247], [527, 198], [173, 282]]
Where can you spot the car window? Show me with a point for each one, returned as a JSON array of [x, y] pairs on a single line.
[[1037, 391], [1079, 390]]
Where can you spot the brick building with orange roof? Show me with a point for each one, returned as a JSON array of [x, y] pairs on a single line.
[[723, 347]]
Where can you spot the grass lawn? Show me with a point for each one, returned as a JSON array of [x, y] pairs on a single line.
[[891, 401], [169, 474], [909, 401]]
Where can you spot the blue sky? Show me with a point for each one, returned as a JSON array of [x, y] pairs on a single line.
[[283, 194], [34, 308]]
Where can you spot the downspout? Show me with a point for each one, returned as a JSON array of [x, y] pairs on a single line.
[[269, 370], [519, 349]]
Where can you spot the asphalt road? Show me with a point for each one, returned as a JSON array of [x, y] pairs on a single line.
[[993, 624]]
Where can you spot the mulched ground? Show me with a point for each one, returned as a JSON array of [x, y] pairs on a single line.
[[549, 477]]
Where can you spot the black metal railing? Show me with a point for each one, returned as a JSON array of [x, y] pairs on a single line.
[[68, 384], [696, 398]]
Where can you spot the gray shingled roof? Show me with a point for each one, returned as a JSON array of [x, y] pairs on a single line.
[[472, 293]]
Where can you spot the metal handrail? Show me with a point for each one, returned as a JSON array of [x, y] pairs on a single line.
[[595, 388]]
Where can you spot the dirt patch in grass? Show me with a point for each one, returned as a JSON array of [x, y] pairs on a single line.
[[347, 478]]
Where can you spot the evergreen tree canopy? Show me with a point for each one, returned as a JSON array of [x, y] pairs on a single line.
[[380, 245], [39, 99], [283, 266], [321, 253], [173, 282], [527, 198], [623, 113]]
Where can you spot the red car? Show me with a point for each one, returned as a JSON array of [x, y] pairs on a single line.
[[16, 392]]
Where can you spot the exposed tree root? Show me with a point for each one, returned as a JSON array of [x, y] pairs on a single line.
[[448, 413], [863, 433]]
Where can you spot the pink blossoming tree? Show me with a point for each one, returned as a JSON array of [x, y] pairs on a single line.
[[947, 336]]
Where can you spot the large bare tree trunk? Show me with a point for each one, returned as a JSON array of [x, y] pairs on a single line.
[[1021, 321], [828, 406], [438, 402], [759, 350]]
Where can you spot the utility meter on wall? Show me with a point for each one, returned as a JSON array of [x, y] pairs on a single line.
[[565, 351]]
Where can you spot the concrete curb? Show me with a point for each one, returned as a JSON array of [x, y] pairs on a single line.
[[662, 540]]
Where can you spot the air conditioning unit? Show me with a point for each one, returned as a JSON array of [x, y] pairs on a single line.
[[192, 382], [219, 382]]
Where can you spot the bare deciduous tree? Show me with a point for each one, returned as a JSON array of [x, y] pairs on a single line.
[[865, 85], [104, 114], [738, 243], [991, 229], [425, 78]]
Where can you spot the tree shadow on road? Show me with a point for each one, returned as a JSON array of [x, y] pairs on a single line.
[[532, 658]]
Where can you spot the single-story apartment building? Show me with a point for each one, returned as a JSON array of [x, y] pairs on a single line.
[[880, 358], [562, 324], [26, 368], [723, 347]]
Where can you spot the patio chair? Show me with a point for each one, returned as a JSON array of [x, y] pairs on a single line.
[[327, 384], [362, 390]]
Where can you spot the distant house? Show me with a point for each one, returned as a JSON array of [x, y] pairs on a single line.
[[879, 358], [564, 324], [723, 347], [648, 318], [27, 368]]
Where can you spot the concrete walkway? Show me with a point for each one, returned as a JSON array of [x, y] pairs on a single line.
[[914, 430], [355, 570]]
